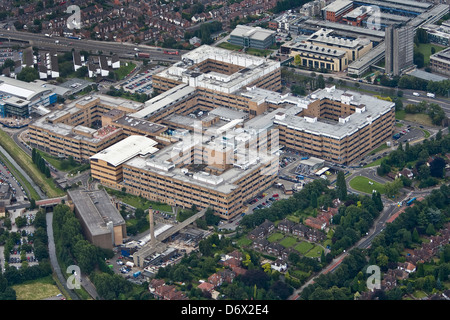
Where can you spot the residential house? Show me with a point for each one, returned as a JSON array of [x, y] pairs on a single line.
[[215, 279], [206, 286], [286, 226], [279, 265], [315, 223]]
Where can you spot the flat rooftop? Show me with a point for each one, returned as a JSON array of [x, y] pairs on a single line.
[[127, 149], [140, 124], [252, 69], [225, 183], [255, 33], [96, 209], [337, 5], [370, 109]]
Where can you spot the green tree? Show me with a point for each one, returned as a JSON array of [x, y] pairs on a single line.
[[341, 186]]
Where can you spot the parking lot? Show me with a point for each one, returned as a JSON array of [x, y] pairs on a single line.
[[23, 250], [17, 191], [141, 82]]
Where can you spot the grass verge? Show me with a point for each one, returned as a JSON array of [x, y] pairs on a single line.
[[362, 184], [24, 161]]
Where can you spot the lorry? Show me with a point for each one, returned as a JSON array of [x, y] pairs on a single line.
[[171, 52], [136, 274], [431, 95], [129, 264], [143, 55]]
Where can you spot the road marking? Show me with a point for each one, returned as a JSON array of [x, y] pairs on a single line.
[[413, 100]]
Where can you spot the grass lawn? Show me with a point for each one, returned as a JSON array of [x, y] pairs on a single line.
[[425, 49], [244, 242], [24, 161], [36, 289], [420, 118], [124, 70], [362, 184], [288, 242], [426, 133], [57, 163], [258, 52], [314, 252], [380, 148], [375, 163], [229, 46], [303, 247], [139, 202], [293, 218], [275, 237]]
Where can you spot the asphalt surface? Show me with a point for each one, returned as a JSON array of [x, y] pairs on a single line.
[[123, 50]]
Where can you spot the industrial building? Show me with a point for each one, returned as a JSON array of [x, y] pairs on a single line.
[[252, 37], [101, 222]]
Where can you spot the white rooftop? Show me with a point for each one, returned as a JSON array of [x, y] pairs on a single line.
[[127, 149]]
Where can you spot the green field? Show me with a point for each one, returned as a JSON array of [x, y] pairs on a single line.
[[36, 289], [362, 184]]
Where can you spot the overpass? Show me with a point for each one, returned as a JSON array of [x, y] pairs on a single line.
[[148, 249], [49, 203]]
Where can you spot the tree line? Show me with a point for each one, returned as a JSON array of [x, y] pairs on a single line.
[[40, 163], [13, 276], [73, 249], [416, 157], [387, 250]]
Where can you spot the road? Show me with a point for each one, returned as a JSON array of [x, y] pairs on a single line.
[[123, 50], [380, 223]]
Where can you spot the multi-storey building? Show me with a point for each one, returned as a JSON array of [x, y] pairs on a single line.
[[335, 125], [399, 49]]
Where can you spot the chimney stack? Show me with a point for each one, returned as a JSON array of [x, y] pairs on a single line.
[[152, 227]]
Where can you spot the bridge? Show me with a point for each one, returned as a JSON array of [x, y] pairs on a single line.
[[49, 203]]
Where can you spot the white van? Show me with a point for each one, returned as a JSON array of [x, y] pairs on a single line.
[[416, 94], [431, 95]]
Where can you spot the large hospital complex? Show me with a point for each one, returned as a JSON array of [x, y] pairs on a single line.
[[213, 134]]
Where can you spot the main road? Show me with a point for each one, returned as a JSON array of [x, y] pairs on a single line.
[[122, 49]]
